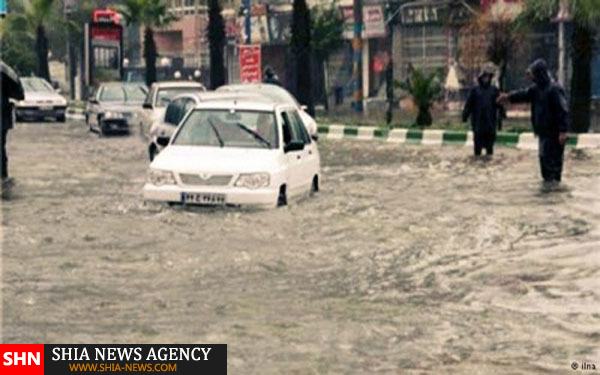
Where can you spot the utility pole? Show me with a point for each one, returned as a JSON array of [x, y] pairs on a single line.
[[69, 8], [248, 19], [357, 57], [389, 72], [561, 18]]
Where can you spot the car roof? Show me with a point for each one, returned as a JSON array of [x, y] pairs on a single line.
[[119, 83], [203, 96], [169, 84], [245, 86], [241, 103]]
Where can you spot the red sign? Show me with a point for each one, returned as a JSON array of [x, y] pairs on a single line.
[[108, 16], [106, 32], [20, 359], [250, 63]]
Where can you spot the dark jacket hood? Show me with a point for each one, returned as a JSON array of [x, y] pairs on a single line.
[[541, 75]]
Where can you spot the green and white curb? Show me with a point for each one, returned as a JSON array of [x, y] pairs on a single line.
[[436, 137]]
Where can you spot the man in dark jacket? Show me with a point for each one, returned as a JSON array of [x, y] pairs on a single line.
[[484, 110], [11, 89], [271, 77], [548, 116]]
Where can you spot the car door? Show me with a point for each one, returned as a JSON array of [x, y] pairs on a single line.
[[146, 116], [292, 158], [311, 162], [93, 107], [305, 170]]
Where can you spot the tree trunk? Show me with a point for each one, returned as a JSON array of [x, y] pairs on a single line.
[[424, 117], [216, 39], [581, 82], [301, 45], [41, 46], [150, 56]]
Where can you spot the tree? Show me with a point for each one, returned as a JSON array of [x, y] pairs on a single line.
[[17, 43], [327, 30], [424, 88], [585, 17], [301, 47], [216, 40], [150, 14], [37, 14]]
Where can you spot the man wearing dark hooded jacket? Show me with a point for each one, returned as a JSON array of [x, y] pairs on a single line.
[[483, 109], [548, 116]]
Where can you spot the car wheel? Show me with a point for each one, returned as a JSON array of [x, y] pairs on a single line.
[[62, 118], [282, 197], [314, 188]]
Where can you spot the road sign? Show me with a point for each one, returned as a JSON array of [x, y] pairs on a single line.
[[250, 63]]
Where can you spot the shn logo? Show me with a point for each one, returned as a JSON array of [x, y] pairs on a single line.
[[21, 358]]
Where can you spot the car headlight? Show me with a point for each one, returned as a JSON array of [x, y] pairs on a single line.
[[158, 178], [253, 180], [113, 115]]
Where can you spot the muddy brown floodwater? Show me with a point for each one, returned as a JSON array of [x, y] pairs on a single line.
[[412, 260]]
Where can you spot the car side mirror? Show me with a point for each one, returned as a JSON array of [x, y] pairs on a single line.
[[58, 90], [293, 146], [163, 141], [303, 107], [315, 137], [147, 106], [93, 100]]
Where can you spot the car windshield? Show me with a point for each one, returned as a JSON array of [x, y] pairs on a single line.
[[36, 85], [122, 93], [225, 128], [164, 96]]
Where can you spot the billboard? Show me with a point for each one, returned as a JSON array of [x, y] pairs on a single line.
[[250, 63]]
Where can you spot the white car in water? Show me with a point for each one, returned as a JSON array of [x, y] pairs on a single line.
[[236, 152], [41, 101]]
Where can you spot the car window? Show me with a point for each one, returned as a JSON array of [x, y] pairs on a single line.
[[36, 85], [135, 93], [112, 93], [164, 96], [242, 128], [301, 127], [172, 115], [296, 128], [286, 128]]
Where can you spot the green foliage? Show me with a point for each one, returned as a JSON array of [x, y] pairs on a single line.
[[327, 30], [424, 88], [585, 13], [150, 14], [18, 45]]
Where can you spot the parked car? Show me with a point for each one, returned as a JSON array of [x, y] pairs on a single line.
[[159, 96], [41, 101], [279, 95], [236, 152], [115, 106], [161, 131]]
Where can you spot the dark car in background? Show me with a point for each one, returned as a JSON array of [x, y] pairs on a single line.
[[115, 106]]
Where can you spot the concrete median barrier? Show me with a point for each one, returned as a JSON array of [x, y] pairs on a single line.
[[438, 137]]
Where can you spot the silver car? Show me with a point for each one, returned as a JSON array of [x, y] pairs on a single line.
[[114, 107], [41, 101]]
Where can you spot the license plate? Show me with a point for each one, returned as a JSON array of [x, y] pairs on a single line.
[[203, 198], [46, 108]]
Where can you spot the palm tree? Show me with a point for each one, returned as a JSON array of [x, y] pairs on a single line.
[[424, 88], [585, 17], [37, 14], [150, 14], [301, 47]]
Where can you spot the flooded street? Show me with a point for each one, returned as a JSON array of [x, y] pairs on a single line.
[[411, 260]]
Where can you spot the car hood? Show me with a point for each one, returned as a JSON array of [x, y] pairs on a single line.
[[43, 96], [195, 159]]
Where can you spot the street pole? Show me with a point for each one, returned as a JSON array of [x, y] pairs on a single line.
[[357, 57], [389, 73], [248, 19]]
